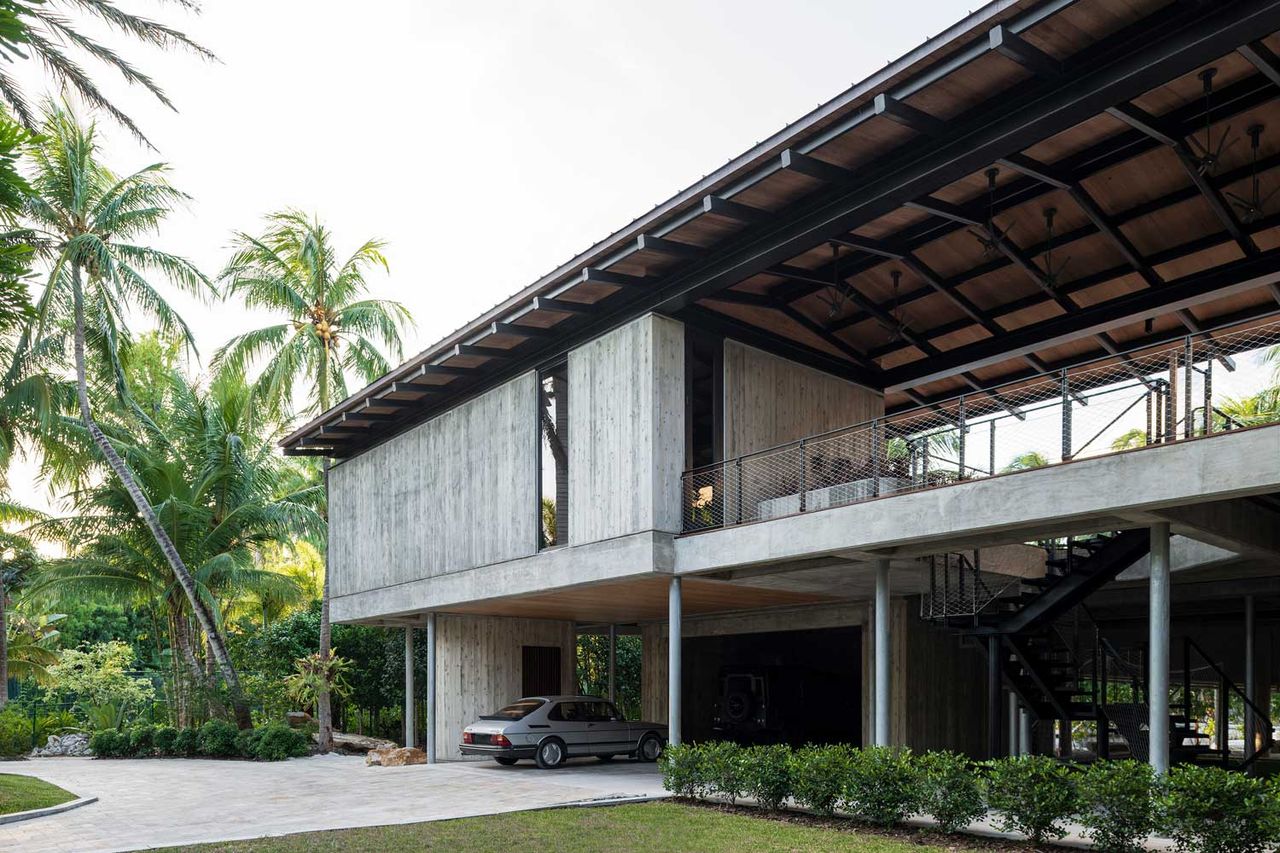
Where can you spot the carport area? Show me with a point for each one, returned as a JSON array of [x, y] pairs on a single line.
[[158, 802]]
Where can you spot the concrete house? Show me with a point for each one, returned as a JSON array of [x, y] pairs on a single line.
[[917, 423]]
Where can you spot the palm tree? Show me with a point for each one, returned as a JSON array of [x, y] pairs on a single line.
[[39, 30], [1136, 437], [218, 485], [86, 220], [331, 331], [1026, 461]]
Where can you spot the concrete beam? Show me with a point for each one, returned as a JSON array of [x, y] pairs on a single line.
[[1219, 468], [612, 559], [1236, 525]]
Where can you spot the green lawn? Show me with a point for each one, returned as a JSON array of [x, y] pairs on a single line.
[[643, 828], [19, 793]]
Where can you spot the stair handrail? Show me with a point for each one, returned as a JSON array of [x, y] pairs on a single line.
[[1268, 728]]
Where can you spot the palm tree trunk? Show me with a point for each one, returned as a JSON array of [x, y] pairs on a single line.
[[4, 641], [216, 644]]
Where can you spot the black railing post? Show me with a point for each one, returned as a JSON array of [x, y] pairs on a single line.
[[1170, 408], [876, 441], [738, 516], [992, 424], [1066, 418], [1208, 396], [801, 477], [1188, 366]]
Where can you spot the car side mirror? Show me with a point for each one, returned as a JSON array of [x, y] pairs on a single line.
[[615, 719]]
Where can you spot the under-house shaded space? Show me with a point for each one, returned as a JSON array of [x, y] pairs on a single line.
[[793, 687]]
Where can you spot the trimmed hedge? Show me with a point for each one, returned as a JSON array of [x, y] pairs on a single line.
[[216, 738], [1204, 809]]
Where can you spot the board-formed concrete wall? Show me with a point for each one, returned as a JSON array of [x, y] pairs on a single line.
[[478, 668], [770, 401], [456, 492], [626, 431]]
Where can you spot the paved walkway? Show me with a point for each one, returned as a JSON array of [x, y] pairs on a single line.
[[163, 802]]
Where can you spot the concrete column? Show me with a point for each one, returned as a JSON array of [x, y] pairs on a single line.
[[1065, 747], [674, 632], [431, 688], [409, 728], [613, 663], [1158, 643], [1250, 674], [1024, 731], [882, 649], [1014, 728]]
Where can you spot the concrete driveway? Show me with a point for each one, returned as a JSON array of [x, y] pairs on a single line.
[[163, 802]]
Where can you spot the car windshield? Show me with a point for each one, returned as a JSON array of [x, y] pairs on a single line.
[[516, 710]]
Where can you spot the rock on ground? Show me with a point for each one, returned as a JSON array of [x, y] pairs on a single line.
[[75, 743], [398, 756]]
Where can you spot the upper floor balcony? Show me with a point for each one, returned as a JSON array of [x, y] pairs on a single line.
[[1208, 384]]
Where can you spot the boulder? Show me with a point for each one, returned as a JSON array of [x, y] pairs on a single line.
[[75, 743], [297, 719], [396, 756], [356, 744]]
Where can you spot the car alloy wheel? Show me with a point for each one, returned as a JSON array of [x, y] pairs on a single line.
[[550, 753]]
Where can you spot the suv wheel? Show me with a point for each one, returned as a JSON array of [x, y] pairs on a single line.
[[550, 753]]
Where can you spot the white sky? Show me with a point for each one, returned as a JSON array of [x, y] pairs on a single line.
[[487, 142]]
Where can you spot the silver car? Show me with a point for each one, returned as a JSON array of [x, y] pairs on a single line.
[[550, 729]]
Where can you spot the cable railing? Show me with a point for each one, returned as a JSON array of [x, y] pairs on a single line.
[[1122, 402]]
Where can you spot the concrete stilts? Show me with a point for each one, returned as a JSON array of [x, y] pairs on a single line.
[[1158, 643], [409, 695], [431, 688], [882, 650], [674, 631]]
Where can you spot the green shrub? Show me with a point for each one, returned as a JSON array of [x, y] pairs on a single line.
[[820, 775], [276, 742], [15, 733], [766, 775], [163, 739], [140, 739], [950, 792], [218, 738], [109, 743], [722, 769], [1208, 810], [1116, 805], [682, 770], [247, 742], [883, 786], [1032, 794], [187, 742]]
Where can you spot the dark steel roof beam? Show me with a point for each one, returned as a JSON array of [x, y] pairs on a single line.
[[593, 275], [1160, 131], [904, 114], [670, 248], [1236, 277], [1263, 59], [513, 330], [815, 168], [718, 206], [560, 306], [479, 350], [1013, 46]]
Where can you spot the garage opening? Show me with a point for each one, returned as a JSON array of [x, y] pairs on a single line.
[[793, 687]]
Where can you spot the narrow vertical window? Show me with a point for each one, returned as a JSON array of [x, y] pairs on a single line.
[[553, 426]]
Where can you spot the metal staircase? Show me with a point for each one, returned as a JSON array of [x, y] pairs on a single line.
[[1057, 679]]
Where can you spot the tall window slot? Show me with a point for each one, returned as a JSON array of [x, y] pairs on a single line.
[[553, 426]]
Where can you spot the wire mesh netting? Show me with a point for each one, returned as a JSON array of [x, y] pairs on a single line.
[[1128, 401]]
